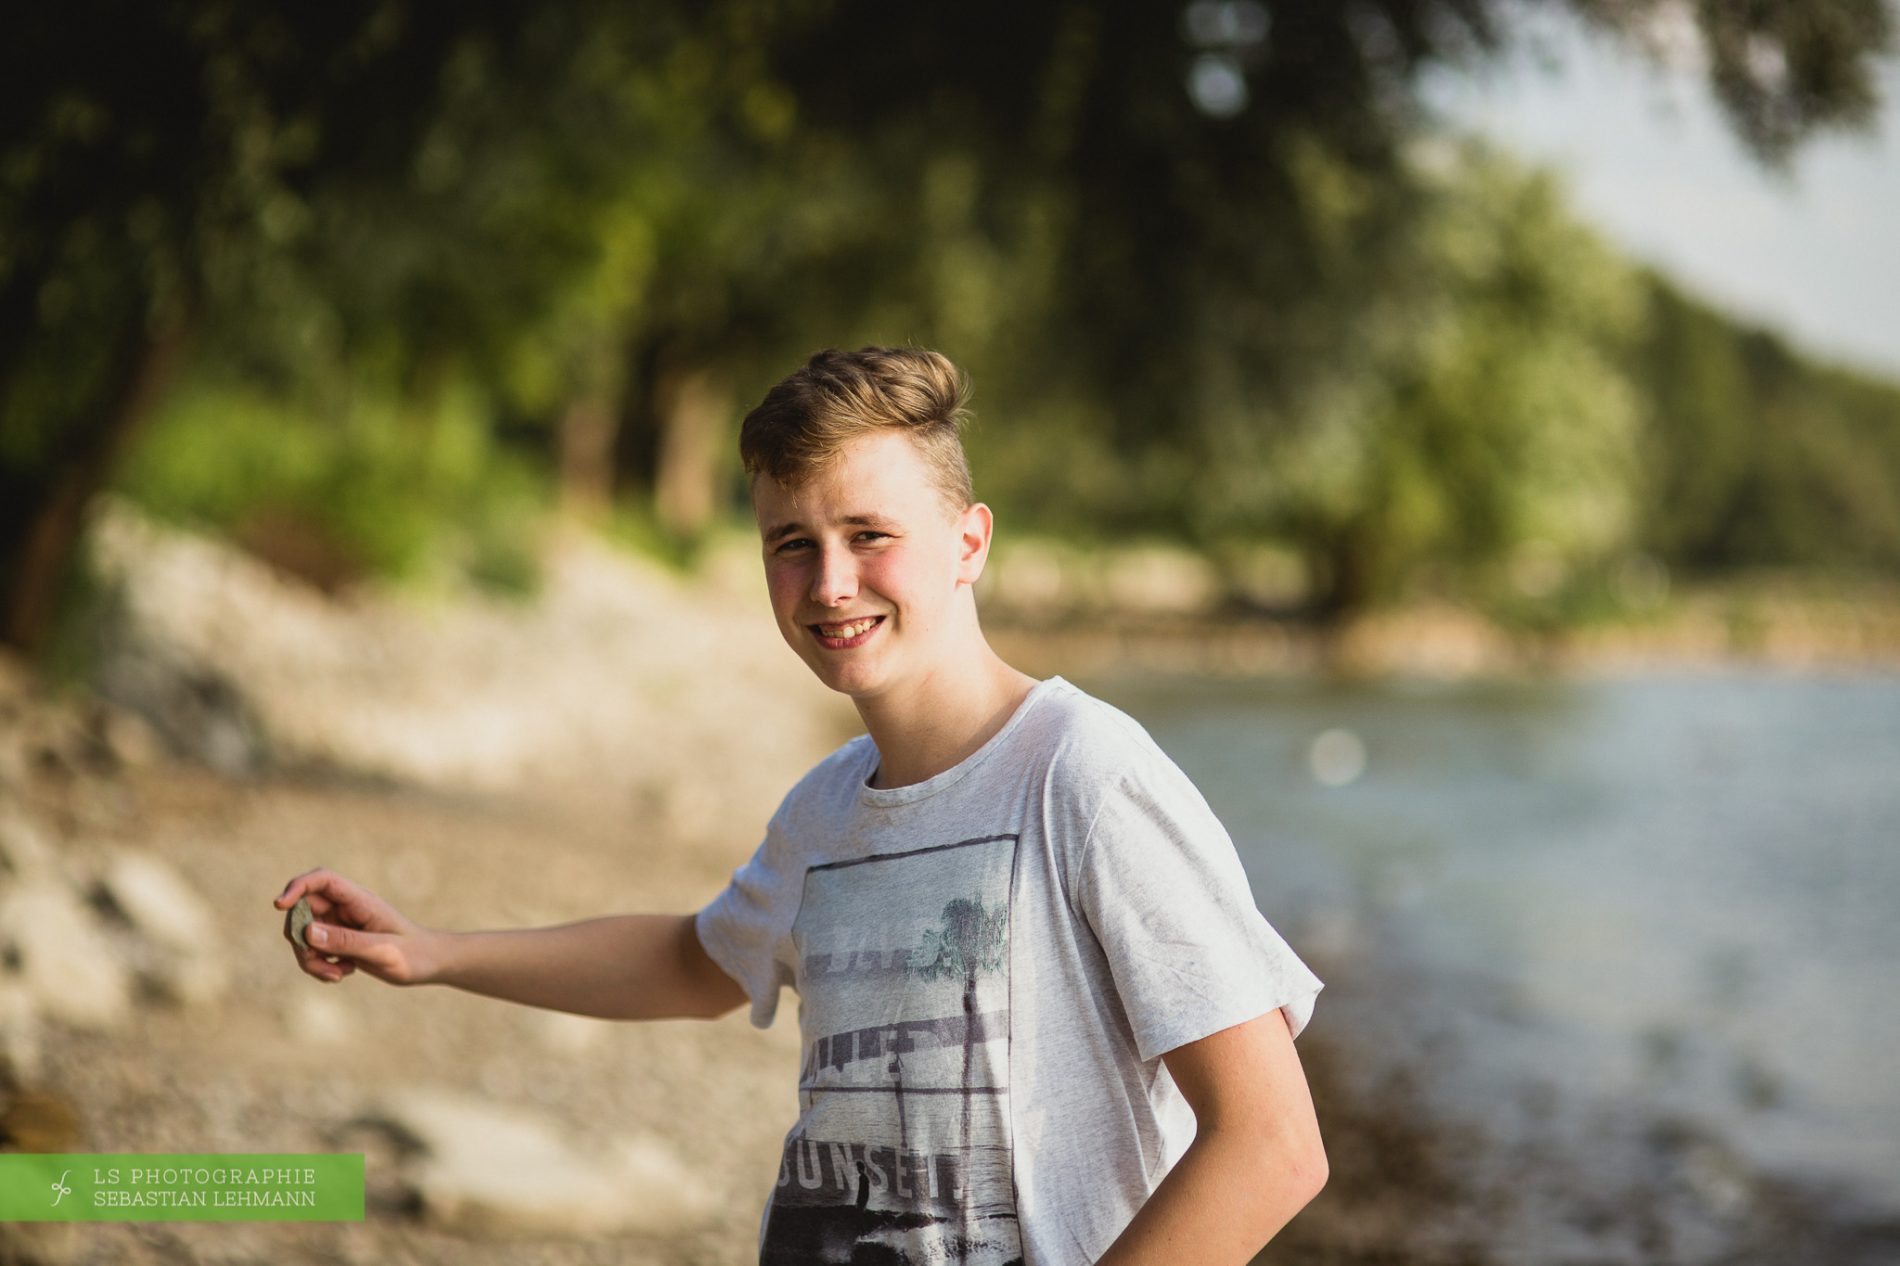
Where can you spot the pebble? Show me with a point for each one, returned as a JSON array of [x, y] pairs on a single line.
[[301, 918]]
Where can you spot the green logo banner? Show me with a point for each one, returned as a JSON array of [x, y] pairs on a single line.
[[180, 1187]]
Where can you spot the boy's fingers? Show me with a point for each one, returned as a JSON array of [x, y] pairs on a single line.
[[329, 940], [322, 885], [313, 964], [323, 966]]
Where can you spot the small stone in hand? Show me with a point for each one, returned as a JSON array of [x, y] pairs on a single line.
[[301, 918]]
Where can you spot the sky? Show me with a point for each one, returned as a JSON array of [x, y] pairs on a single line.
[[1813, 253]]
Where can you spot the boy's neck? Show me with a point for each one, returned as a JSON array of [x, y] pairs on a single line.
[[937, 722]]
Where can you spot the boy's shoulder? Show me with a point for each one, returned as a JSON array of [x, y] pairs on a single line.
[[1085, 735], [838, 774]]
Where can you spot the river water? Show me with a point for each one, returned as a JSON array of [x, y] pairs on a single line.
[[1633, 941]]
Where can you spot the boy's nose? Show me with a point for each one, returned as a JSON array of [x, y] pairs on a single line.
[[836, 578]]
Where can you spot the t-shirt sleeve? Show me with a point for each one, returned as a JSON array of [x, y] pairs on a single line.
[[747, 928], [1163, 889]]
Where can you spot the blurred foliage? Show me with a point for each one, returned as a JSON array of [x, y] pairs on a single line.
[[341, 500], [362, 271], [1758, 456], [1455, 400]]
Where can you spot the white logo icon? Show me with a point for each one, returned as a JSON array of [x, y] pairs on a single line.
[[61, 1189]]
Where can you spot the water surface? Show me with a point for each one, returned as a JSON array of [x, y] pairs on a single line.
[[1639, 934]]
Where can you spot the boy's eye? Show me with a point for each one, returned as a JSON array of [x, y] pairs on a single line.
[[805, 542]]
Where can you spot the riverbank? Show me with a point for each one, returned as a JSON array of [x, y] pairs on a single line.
[[1787, 627]]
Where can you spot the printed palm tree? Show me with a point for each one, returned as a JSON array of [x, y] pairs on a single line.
[[971, 943]]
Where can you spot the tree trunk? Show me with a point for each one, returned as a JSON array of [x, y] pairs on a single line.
[[692, 411], [674, 434], [636, 443], [43, 510], [1341, 574], [587, 458]]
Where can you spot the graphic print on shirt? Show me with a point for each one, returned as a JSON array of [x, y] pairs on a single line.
[[902, 1150]]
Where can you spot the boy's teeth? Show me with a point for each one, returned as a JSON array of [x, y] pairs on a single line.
[[847, 630]]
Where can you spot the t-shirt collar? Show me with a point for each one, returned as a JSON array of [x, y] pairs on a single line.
[[888, 797]]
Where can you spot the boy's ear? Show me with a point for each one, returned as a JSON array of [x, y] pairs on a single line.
[[973, 542]]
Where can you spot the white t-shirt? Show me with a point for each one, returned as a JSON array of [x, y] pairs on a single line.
[[989, 966]]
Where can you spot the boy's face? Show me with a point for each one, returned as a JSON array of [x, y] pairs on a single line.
[[864, 562]]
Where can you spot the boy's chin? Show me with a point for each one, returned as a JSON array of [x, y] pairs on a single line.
[[853, 682]]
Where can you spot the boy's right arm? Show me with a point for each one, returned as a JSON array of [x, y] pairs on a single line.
[[618, 967]]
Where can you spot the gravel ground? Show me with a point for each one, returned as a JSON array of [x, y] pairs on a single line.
[[284, 1062]]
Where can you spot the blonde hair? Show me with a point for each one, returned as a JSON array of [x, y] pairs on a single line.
[[814, 412]]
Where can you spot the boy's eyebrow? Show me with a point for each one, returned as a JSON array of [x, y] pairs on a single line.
[[855, 520]]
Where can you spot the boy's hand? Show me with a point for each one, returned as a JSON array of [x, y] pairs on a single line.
[[353, 928]]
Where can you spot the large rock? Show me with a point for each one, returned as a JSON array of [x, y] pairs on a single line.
[[485, 1170], [189, 965], [20, 1059], [53, 947], [24, 851]]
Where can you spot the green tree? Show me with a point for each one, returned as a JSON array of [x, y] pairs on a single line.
[[156, 166], [1478, 413]]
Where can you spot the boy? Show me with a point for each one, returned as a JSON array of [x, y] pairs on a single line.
[[1043, 1021]]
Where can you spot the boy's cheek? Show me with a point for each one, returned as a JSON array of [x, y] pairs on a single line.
[[783, 589]]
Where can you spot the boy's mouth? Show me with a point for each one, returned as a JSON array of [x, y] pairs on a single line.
[[843, 634]]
